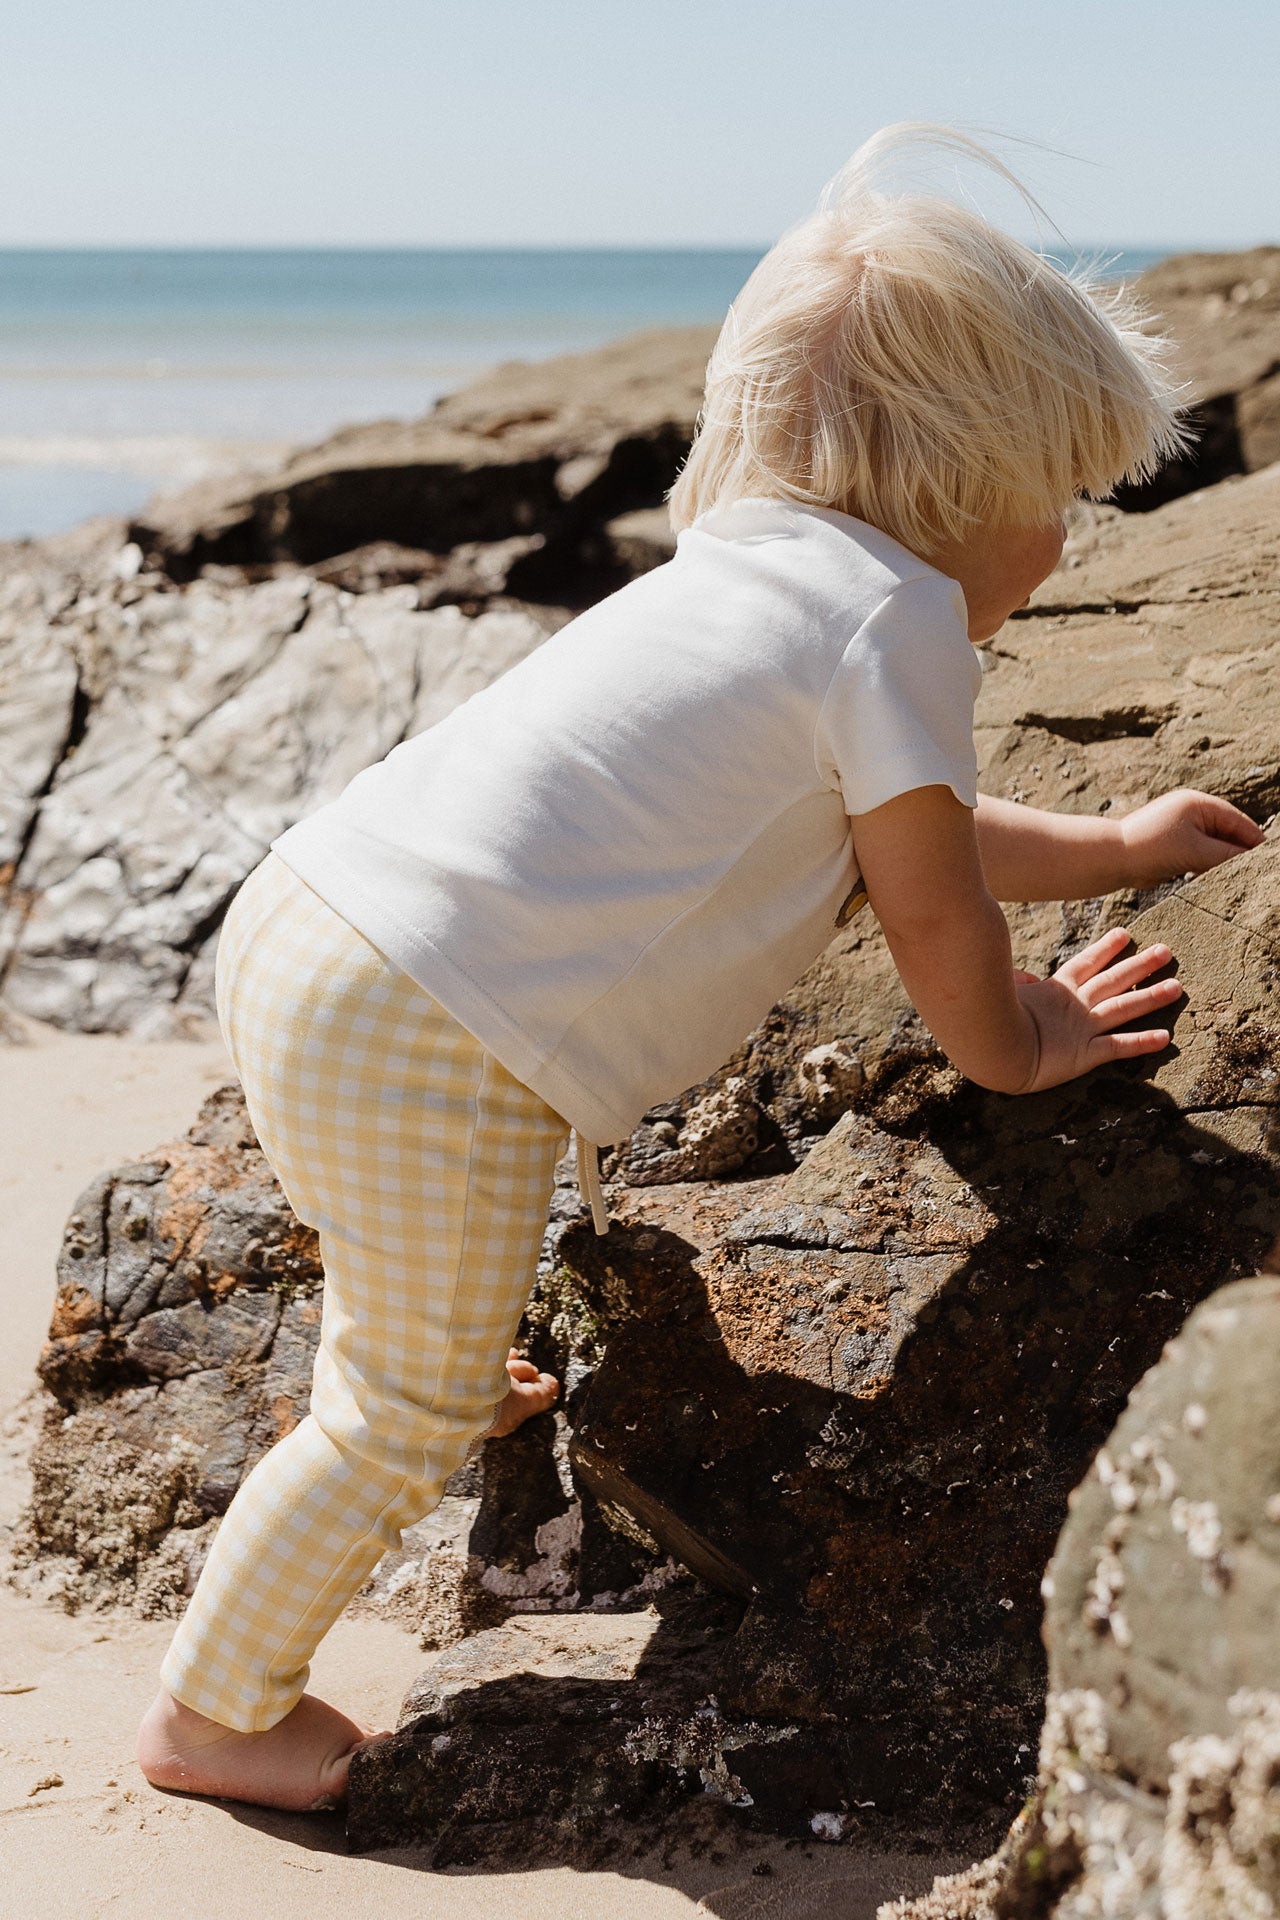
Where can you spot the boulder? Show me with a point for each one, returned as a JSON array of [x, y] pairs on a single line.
[[153, 740], [1159, 1787], [513, 484], [180, 1348]]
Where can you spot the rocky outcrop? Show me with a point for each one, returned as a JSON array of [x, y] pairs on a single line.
[[1150, 660], [1223, 311], [1159, 1787], [166, 708], [853, 1400], [526, 483], [153, 740], [858, 1327], [853, 1386], [154, 735]]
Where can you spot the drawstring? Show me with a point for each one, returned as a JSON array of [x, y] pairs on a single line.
[[589, 1182]]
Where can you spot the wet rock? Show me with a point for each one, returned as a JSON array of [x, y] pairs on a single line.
[[1160, 1756], [551, 454]]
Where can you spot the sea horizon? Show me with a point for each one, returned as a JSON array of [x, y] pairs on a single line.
[[127, 371]]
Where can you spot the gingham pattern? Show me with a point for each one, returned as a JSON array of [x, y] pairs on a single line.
[[427, 1170]]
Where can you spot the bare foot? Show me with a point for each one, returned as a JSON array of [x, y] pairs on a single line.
[[299, 1764], [530, 1392]]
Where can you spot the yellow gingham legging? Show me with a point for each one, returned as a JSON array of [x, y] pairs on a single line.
[[427, 1170]]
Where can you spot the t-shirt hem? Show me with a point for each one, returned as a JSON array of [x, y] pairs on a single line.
[[341, 886], [939, 774]]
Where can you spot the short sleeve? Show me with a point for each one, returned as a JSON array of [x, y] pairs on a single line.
[[899, 711]]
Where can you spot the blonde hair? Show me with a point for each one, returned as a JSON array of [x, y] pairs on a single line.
[[898, 358]]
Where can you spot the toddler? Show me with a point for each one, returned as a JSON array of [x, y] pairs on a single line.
[[576, 894]]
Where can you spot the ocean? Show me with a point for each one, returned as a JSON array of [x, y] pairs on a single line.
[[125, 372]]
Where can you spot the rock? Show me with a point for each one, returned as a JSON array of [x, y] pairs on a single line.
[[719, 1133], [1166, 1582], [541, 461], [831, 1077], [155, 736], [154, 740], [853, 1399], [135, 792], [856, 1396], [641, 540], [572, 456], [1150, 663], [546, 1731], [181, 1347], [1159, 1783], [858, 1326], [1223, 312]]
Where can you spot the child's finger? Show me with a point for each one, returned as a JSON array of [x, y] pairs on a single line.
[[1125, 974], [1127, 1046], [1133, 1006], [1222, 821], [1093, 958]]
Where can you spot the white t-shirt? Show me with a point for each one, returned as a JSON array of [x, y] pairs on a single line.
[[609, 864]]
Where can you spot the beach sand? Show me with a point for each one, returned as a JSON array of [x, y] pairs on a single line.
[[81, 1832]]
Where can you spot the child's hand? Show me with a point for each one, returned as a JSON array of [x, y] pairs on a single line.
[[1184, 832], [1076, 1010]]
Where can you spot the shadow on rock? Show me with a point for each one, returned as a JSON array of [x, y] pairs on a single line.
[[857, 1404]]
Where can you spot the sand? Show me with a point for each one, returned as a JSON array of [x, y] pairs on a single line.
[[81, 1832]]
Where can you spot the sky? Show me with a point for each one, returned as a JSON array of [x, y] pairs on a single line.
[[616, 122]]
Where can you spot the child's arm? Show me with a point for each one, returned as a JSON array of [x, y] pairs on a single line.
[[920, 861], [1031, 855]]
